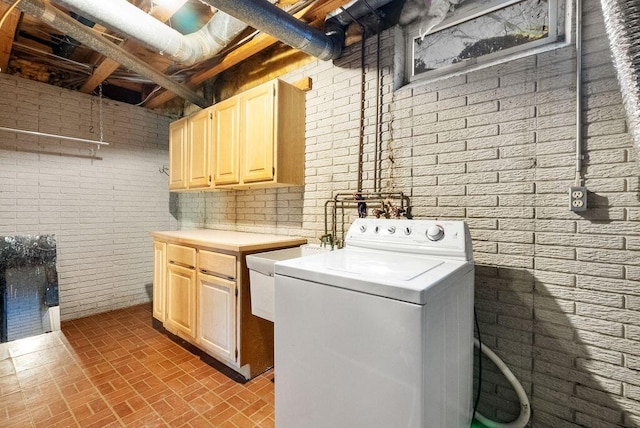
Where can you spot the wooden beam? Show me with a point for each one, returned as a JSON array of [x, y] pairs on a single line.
[[305, 84], [7, 34], [258, 44], [108, 65]]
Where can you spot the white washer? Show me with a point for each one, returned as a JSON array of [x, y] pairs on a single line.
[[379, 333]]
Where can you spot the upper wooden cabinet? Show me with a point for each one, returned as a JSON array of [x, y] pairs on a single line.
[[257, 134], [255, 139], [178, 155], [269, 141], [190, 152], [199, 162], [226, 127]]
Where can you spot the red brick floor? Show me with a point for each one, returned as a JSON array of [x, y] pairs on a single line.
[[115, 370]]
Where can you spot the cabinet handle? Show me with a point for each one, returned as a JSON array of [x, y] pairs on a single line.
[[208, 272], [171, 262]]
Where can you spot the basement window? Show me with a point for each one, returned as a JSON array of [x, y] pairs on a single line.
[[475, 33]]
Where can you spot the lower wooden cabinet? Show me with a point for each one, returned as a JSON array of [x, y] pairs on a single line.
[[217, 316], [180, 318], [159, 279], [202, 295]]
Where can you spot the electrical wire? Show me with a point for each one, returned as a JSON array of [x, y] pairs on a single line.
[[477, 400]]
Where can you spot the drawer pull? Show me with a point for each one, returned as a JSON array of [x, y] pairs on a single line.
[[181, 264]]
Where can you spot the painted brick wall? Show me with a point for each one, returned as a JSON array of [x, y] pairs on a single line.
[[557, 293], [100, 207]]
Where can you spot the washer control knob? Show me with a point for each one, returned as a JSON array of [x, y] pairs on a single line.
[[391, 229], [376, 229], [435, 233], [363, 228], [407, 231]]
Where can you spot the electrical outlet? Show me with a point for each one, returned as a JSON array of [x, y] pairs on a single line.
[[578, 198]]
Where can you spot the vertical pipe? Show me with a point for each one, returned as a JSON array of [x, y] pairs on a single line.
[[362, 99], [376, 160], [362, 105], [579, 155]]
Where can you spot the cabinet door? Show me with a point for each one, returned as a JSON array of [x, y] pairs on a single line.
[[199, 147], [217, 316], [256, 136], [226, 125], [181, 301], [178, 155], [159, 279]]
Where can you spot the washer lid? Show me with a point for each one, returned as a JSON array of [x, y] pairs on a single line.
[[395, 275]]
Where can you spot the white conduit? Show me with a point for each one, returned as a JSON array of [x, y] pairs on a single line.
[[525, 407]]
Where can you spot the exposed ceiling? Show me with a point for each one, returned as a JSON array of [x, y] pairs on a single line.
[[34, 50]]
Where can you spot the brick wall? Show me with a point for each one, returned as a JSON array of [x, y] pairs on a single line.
[[557, 293], [99, 205]]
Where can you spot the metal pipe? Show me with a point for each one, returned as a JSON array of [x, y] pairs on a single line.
[[272, 20], [62, 137], [579, 155], [67, 25], [268, 18], [136, 24]]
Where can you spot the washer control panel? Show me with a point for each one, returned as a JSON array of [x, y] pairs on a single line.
[[445, 238]]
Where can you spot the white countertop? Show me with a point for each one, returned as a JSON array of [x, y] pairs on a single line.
[[227, 240]]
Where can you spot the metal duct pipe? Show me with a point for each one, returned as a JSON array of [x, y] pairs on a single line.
[[268, 18], [622, 22], [136, 24], [67, 25]]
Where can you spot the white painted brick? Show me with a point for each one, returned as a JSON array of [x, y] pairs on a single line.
[[626, 346], [54, 179], [481, 177], [468, 133], [516, 175], [501, 140], [500, 189], [610, 256], [568, 266], [577, 240], [610, 371], [500, 212]]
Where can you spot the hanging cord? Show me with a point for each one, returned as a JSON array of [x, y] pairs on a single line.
[[100, 113]]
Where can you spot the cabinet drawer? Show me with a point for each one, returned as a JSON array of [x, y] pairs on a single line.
[[185, 256], [217, 263]]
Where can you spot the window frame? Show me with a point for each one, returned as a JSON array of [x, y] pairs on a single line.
[[556, 22]]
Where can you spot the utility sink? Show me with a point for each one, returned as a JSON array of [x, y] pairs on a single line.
[[261, 276]]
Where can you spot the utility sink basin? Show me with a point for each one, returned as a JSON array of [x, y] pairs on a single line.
[[261, 276]]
